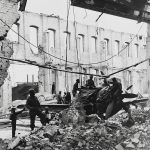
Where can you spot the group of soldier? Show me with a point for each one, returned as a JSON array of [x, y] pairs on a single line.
[[34, 107], [89, 84]]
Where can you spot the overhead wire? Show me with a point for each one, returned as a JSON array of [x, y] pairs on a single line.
[[46, 67], [124, 48], [34, 45], [50, 67], [126, 68], [67, 60]]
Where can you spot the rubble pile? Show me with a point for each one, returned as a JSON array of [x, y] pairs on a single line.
[[69, 130], [95, 135]]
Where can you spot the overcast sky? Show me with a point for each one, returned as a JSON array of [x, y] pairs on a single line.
[[59, 7]]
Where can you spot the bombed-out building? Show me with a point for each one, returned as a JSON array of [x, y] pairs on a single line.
[[45, 40]]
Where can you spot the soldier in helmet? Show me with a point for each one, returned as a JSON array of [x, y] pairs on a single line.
[[34, 109], [90, 83], [75, 87]]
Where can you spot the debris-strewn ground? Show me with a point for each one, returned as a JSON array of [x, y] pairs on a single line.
[[109, 135]]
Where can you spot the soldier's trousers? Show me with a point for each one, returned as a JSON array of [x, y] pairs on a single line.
[[33, 114]]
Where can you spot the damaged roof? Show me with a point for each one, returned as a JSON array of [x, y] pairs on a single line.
[[132, 9]]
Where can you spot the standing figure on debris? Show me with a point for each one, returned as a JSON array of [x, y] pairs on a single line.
[[53, 88], [34, 109], [59, 98], [64, 97], [68, 98], [75, 87], [90, 83], [105, 83], [13, 118]]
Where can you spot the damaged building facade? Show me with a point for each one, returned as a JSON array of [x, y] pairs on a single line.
[[45, 40], [7, 7]]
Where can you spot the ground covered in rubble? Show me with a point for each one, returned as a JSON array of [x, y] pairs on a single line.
[[96, 135]]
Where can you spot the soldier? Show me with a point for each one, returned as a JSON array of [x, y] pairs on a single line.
[[59, 98], [13, 118], [34, 109], [64, 98], [90, 83], [75, 87], [68, 98], [53, 88]]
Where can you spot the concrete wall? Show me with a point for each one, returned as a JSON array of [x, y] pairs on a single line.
[[46, 77], [8, 16]]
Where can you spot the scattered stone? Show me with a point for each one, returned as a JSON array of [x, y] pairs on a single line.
[[135, 140], [94, 135], [130, 145], [119, 147]]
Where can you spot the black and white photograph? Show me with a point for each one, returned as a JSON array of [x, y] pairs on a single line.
[[74, 74]]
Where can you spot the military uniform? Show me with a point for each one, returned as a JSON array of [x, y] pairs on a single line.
[[90, 84], [34, 110]]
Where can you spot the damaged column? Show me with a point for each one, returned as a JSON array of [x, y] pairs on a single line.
[[8, 16]]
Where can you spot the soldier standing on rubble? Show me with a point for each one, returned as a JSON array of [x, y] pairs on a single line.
[[90, 83], [75, 87], [34, 109], [59, 98]]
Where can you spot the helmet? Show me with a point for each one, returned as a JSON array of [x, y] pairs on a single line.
[[91, 76], [78, 80], [31, 91]]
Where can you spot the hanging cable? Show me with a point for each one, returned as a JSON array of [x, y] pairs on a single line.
[[71, 61], [126, 68], [50, 67], [73, 72], [34, 45]]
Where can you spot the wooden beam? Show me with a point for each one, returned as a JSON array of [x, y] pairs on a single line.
[[115, 8]]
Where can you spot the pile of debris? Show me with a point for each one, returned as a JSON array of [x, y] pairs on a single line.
[[94, 135]]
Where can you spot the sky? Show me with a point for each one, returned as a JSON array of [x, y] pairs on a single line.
[[59, 8]]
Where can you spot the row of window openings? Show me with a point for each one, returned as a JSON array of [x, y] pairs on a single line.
[[51, 39], [126, 46], [79, 39]]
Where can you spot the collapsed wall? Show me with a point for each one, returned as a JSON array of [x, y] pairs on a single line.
[[8, 16]]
